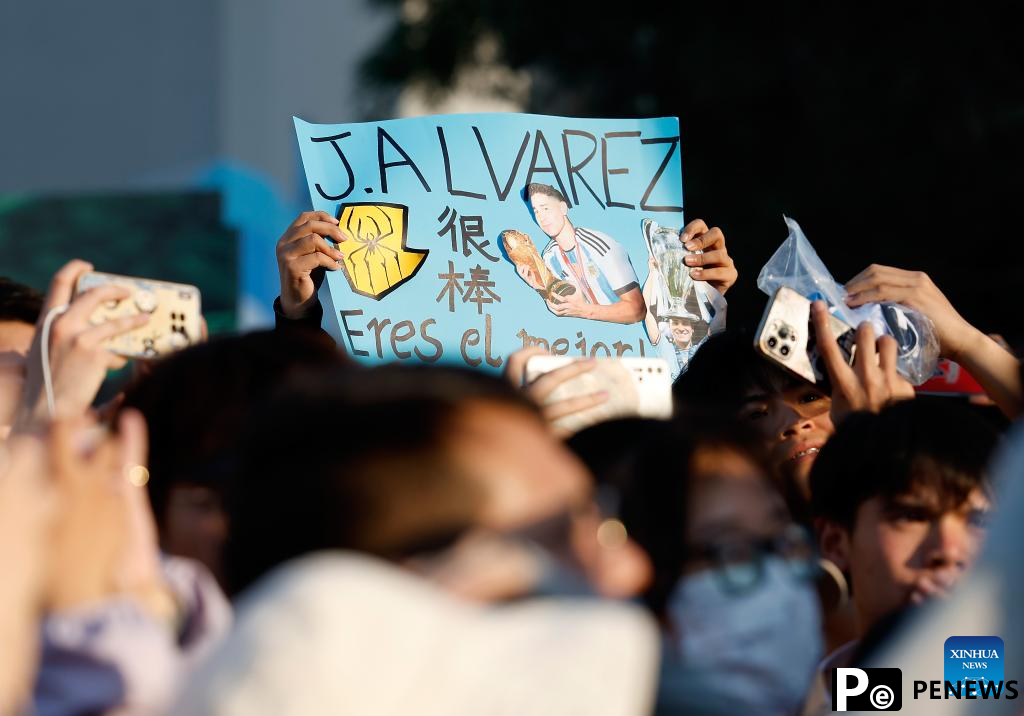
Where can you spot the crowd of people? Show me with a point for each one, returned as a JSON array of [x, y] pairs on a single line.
[[257, 524]]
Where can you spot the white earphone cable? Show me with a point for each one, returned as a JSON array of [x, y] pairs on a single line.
[[45, 357]]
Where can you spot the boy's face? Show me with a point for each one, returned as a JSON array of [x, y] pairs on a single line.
[[794, 423], [525, 473], [905, 549], [528, 476], [682, 332], [549, 213], [731, 503], [195, 525]]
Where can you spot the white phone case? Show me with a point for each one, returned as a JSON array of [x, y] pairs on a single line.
[[637, 387], [785, 336], [175, 314]]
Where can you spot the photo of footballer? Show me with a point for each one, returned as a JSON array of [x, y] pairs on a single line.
[[588, 260], [682, 313]]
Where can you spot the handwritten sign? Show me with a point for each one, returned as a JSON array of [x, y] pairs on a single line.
[[472, 236]]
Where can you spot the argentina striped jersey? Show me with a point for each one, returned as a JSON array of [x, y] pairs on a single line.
[[597, 261]]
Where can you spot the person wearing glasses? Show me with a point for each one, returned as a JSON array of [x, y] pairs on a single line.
[[732, 581]]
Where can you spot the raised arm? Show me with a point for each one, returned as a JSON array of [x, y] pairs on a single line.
[[995, 368]]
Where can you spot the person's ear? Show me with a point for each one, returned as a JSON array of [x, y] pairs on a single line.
[[564, 207], [834, 543]]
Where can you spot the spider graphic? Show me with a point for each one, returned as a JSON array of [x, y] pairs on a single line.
[[371, 229]]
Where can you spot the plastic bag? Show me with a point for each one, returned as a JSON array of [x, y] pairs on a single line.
[[796, 265]]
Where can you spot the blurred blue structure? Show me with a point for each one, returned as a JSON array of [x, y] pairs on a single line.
[[197, 94]]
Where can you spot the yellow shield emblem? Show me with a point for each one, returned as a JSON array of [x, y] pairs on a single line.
[[377, 260]]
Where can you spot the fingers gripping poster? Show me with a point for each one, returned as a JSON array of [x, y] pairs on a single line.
[[472, 236]]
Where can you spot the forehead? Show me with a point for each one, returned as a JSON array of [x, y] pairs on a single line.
[[538, 199], [16, 337], [784, 388], [731, 494], [726, 464], [505, 437], [513, 453], [939, 500]]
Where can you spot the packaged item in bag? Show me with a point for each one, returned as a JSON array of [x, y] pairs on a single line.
[[796, 265]]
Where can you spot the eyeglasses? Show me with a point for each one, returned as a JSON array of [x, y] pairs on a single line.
[[739, 564]]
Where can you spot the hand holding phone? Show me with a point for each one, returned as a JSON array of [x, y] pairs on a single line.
[[576, 393], [787, 336], [872, 382], [69, 359], [174, 310], [810, 342]]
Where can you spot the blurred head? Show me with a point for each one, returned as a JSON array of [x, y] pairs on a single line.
[[396, 462], [900, 500], [714, 491], [731, 571], [20, 306], [550, 209], [680, 331], [196, 403], [790, 415]]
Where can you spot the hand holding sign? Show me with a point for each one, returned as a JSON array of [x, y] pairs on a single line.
[[301, 249], [714, 264]]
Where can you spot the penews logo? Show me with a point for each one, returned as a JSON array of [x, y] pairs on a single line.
[[867, 689], [973, 659]]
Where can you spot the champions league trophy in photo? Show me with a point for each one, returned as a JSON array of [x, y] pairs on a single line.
[[675, 287]]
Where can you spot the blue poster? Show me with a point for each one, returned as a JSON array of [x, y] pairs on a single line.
[[472, 236]]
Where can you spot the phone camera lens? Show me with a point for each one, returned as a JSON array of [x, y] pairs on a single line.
[[784, 350], [784, 333], [772, 342]]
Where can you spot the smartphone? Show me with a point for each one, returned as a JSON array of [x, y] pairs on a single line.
[[637, 387], [786, 336], [175, 314]]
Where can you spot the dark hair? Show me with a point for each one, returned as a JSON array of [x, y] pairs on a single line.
[[916, 443], [18, 302], [196, 402], [689, 320], [628, 458], [359, 461], [544, 190], [725, 370]]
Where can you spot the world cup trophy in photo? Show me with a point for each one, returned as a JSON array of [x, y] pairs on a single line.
[[522, 252]]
